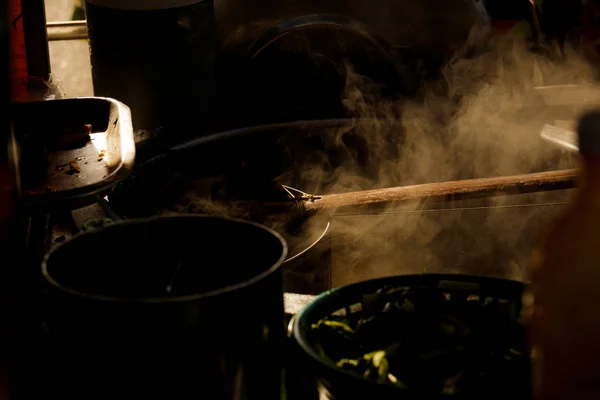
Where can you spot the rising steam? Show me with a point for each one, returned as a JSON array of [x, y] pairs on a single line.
[[487, 123], [482, 119]]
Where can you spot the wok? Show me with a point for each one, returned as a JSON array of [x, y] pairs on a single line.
[[252, 164]]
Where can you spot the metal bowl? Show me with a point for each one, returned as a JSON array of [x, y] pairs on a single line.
[[351, 301]]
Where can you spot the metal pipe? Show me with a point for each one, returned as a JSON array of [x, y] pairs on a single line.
[[36, 38], [67, 30]]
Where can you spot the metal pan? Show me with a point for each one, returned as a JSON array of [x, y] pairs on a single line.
[[72, 150]]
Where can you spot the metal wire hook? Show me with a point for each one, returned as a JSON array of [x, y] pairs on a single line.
[[300, 194]]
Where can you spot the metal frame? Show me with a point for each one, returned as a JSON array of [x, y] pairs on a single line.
[[67, 30]]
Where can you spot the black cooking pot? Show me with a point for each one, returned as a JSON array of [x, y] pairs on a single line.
[[184, 307], [252, 164]]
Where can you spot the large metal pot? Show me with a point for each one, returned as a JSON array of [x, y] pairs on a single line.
[[175, 307]]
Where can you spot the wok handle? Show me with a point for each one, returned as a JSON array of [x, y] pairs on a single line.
[[451, 190]]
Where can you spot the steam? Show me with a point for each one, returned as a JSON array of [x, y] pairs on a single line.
[[486, 124], [482, 119]]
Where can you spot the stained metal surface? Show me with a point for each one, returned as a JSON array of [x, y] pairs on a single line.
[[77, 174]]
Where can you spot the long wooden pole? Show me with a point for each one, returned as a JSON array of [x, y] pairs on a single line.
[[451, 190]]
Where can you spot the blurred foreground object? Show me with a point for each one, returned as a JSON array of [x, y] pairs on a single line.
[[564, 296]]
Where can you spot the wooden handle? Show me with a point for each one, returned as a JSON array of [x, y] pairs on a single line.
[[452, 190]]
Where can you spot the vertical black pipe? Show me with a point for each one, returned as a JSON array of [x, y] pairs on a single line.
[[36, 38]]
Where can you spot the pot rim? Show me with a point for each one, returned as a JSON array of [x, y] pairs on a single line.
[[163, 299]]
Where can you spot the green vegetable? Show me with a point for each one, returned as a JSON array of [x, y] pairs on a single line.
[[430, 341], [334, 324]]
